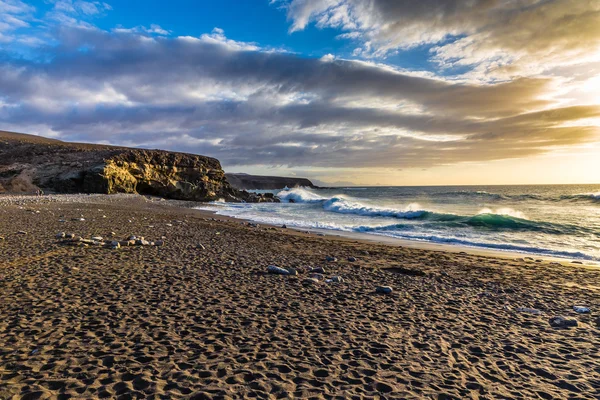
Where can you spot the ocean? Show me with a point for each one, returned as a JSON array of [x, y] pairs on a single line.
[[548, 220]]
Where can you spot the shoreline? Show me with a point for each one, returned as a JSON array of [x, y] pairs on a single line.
[[425, 245]]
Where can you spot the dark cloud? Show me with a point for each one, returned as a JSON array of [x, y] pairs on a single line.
[[249, 106]]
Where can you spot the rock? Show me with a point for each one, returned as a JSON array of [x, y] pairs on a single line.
[[22, 233], [562, 322], [310, 281], [132, 237], [113, 234], [115, 245], [351, 259], [529, 311], [97, 238], [318, 277], [318, 270], [581, 309], [576, 262], [1, 237], [142, 242], [159, 243], [230, 262], [70, 236], [61, 235], [383, 290], [284, 226], [330, 259], [272, 269], [365, 253], [292, 272], [337, 279]]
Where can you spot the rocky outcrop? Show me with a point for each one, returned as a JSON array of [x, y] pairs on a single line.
[[30, 163], [257, 182]]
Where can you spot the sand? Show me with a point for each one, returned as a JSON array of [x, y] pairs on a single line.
[[178, 321]]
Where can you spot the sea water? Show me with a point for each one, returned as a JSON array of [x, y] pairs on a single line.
[[552, 220]]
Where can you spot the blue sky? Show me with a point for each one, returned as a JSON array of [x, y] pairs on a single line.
[[361, 91]]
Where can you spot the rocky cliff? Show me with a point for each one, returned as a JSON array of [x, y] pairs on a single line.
[[257, 182], [29, 163]]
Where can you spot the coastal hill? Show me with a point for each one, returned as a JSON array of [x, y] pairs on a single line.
[[30, 163], [257, 182]]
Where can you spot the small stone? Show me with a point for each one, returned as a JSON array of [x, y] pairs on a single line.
[[1, 237], [330, 259], [351, 259], [115, 245], [284, 226], [319, 277], [142, 242], [22, 233], [97, 238], [132, 237], [272, 269], [529, 310], [60, 235], [562, 322], [70, 236], [337, 279], [310, 281], [383, 290], [169, 224], [292, 272], [230, 262], [159, 243], [318, 270], [581, 309], [113, 234], [576, 262]]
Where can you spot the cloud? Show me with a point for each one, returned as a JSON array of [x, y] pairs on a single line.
[[496, 39], [252, 106]]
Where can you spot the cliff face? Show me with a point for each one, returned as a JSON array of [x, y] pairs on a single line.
[[256, 182], [29, 163]]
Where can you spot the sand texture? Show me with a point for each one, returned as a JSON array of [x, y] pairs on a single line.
[[181, 321]]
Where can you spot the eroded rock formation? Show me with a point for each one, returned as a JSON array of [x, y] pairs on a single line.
[[29, 163]]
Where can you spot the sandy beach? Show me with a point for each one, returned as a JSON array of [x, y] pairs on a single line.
[[199, 317]]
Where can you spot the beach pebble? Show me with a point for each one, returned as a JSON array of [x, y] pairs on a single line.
[[335, 279], [70, 235], [562, 322], [97, 238], [115, 245], [284, 226], [581, 309], [310, 281], [318, 270], [142, 242], [383, 289], [351, 259], [230, 262], [319, 277], [22, 233], [60, 235], [132, 237], [330, 259], [529, 310], [159, 243], [272, 269]]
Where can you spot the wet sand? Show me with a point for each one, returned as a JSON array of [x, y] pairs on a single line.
[[179, 321]]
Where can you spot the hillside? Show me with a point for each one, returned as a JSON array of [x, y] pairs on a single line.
[[258, 182]]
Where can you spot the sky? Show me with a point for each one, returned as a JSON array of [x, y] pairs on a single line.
[[344, 92]]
